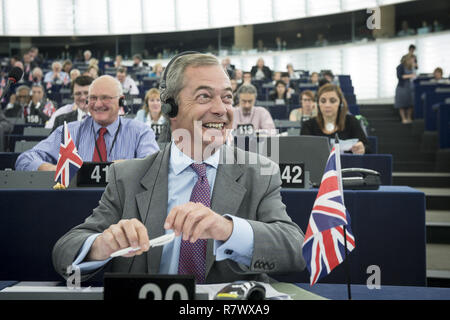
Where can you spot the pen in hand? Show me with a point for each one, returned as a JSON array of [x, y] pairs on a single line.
[[159, 241]]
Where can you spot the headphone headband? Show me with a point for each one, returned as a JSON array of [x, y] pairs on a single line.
[[168, 105]]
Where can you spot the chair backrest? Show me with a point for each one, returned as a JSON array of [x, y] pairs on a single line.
[[36, 131], [22, 145], [313, 151], [16, 120]]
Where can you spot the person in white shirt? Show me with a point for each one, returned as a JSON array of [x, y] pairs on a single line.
[[56, 76], [128, 84]]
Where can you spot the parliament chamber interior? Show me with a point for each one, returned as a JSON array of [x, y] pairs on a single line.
[[386, 61]]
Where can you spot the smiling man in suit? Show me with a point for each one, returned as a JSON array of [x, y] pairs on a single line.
[[228, 216]]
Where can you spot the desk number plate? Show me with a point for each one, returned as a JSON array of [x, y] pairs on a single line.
[[292, 175], [93, 174], [148, 287]]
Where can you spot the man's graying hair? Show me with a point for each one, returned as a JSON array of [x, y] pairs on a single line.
[[247, 88], [175, 73]]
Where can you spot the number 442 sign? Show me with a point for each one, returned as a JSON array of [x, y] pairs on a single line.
[[292, 175]]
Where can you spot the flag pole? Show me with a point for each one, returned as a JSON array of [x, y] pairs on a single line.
[[338, 169]]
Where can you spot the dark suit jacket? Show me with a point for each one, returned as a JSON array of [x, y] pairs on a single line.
[[36, 115], [68, 117], [266, 70], [249, 191]]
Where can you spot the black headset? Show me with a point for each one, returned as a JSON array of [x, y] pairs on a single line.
[[168, 106]]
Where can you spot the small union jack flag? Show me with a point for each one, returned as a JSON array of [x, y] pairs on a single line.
[[324, 244], [69, 160], [49, 108]]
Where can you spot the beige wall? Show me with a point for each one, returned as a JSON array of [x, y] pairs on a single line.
[[387, 22], [243, 37]]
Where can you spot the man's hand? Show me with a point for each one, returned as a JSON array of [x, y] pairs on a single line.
[[124, 234], [195, 221], [47, 167]]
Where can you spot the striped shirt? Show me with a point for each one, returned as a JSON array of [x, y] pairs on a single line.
[[134, 140]]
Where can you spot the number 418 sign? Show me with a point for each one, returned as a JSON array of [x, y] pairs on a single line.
[[292, 175]]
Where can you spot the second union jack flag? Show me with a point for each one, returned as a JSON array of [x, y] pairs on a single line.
[[324, 246], [68, 160]]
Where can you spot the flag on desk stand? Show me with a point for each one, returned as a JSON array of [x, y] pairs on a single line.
[[329, 236], [69, 162]]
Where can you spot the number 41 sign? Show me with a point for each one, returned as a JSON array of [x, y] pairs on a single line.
[[292, 175]]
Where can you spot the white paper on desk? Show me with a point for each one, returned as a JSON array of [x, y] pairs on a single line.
[[212, 289], [345, 145], [31, 286]]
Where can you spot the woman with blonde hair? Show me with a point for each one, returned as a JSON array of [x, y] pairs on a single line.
[[404, 92], [151, 110], [333, 117]]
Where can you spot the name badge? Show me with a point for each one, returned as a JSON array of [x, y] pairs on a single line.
[[244, 129], [148, 287], [292, 175], [157, 128], [93, 174]]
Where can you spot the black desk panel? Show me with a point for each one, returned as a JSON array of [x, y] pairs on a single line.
[[389, 226]]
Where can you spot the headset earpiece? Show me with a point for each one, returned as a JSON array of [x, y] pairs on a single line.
[[170, 108], [168, 105]]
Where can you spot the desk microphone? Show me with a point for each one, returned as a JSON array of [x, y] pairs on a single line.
[[14, 75]]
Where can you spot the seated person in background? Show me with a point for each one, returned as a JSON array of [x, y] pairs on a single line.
[[249, 119], [118, 61], [292, 73], [247, 78], [87, 54], [150, 112], [56, 76], [92, 71], [117, 138], [37, 76], [74, 73], [228, 67], [231, 214], [79, 111], [157, 71], [39, 109], [80, 90], [238, 76], [405, 30], [128, 84], [28, 66], [260, 71], [314, 78], [333, 118], [287, 80], [17, 107], [138, 62], [280, 95], [328, 77], [438, 76], [235, 87], [276, 77], [308, 108], [67, 66]]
